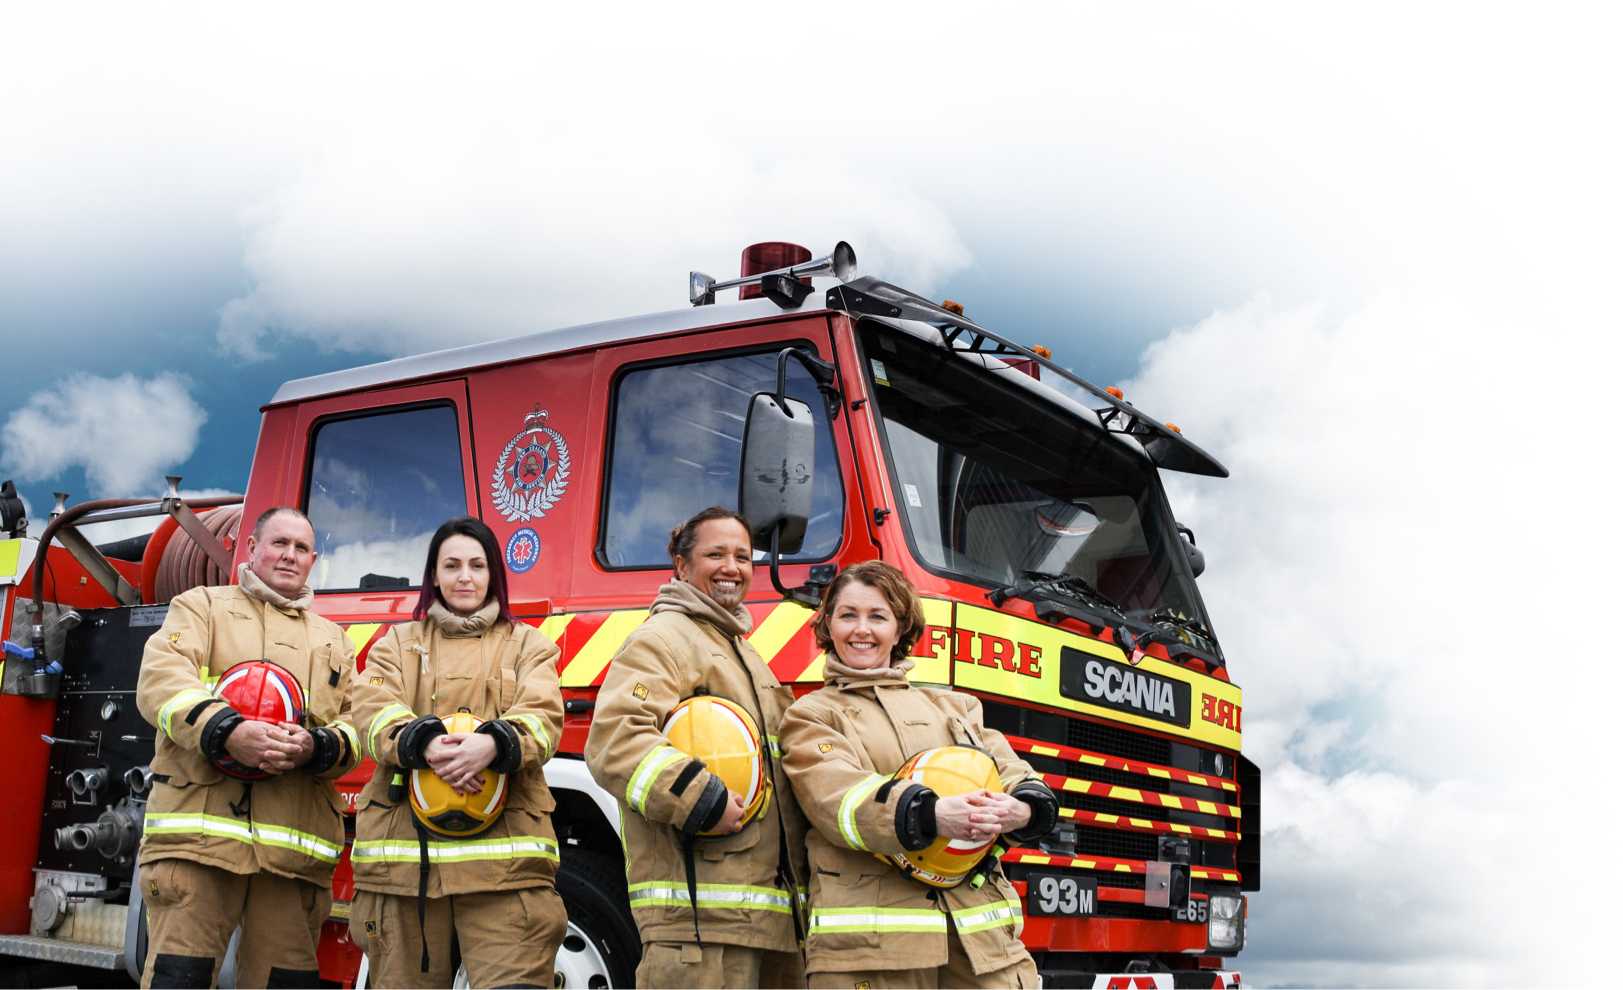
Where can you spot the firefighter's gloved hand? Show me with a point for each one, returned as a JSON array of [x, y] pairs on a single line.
[[265, 745]]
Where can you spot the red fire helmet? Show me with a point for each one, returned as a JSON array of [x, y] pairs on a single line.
[[260, 691]]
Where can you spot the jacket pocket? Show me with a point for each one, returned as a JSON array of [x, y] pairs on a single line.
[[509, 692], [190, 768], [714, 850], [845, 908], [325, 699]]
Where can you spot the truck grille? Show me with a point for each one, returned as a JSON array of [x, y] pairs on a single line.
[[1122, 791]]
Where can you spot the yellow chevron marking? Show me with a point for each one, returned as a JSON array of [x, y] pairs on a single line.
[[1207, 806], [360, 632], [1123, 868], [1039, 860], [1168, 801], [1199, 780], [600, 649], [1045, 751], [1108, 818], [1093, 760], [786, 619], [553, 626], [1181, 828], [813, 671], [1158, 772], [1139, 822], [1128, 794]]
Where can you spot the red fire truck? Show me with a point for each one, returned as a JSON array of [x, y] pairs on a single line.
[[857, 420]]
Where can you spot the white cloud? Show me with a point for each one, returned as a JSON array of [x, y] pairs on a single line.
[[124, 432], [1388, 566], [441, 227]]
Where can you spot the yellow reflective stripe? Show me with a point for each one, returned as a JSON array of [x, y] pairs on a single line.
[[203, 675], [250, 833], [391, 711], [184, 699], [826, 921], [772, 745], [455, 850], [992, 915], [348, 732], [711, 895], [848, 810], [536, 730], [648, 771]]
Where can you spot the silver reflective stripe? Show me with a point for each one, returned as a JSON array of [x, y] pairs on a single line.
[[185, 699], [994, 915], [648, 771], [519, 847], [711, 895], [826, 921], [848, 810]]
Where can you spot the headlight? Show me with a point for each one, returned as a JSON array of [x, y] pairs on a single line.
[[1225, 924]]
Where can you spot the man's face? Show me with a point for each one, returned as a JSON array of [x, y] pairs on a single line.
[[283, 554]]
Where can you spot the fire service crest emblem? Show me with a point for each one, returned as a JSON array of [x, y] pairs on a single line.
[[533, 471]]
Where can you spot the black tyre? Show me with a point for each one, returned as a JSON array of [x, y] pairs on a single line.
[[601, 948]]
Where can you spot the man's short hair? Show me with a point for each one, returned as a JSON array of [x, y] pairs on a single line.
[[271, 513]]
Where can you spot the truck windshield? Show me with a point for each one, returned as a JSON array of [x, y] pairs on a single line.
[[994, 481]]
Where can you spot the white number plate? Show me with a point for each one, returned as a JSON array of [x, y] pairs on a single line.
[[1056, 893], [1194, 911]]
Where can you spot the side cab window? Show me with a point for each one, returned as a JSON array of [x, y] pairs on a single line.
[[676, 432], [378, 485]]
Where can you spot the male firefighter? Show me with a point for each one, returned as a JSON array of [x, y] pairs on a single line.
[[219, 851]]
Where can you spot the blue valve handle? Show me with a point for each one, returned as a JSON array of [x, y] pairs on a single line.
[[27, 653]]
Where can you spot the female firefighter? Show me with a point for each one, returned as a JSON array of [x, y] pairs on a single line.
[[928, 914], [460, 708], [715, 868]]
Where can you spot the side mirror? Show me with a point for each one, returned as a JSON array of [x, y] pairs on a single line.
[[1197, 557], [775, 471]]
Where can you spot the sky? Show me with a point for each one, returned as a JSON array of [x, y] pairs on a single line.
[[1366, 254]]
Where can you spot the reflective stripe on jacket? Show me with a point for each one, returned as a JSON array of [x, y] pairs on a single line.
[[840, 748], [290, 824], [416, 669], [741, 901]]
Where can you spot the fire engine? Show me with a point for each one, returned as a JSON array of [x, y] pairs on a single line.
[[855, 421]]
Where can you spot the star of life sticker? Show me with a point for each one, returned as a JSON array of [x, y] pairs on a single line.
[[533, 471]]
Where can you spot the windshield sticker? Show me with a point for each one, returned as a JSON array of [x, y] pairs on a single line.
[[533, 471], [879, 371], [913, 496]]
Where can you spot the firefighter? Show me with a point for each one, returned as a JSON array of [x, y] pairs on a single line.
[[217, 851], [871, 925], [436, 859], [722, 911]]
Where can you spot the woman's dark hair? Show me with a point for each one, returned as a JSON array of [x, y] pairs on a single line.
[[898, 593], [686, 536], [465, 526]]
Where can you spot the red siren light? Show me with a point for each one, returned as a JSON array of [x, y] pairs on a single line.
[[769, 256]]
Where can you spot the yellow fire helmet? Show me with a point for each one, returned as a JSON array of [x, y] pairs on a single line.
[[445, 812], [949, 772], [725, 739]]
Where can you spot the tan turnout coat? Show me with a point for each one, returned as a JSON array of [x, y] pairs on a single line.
[[840, 746], [292, 823], [509, 672], [742, 901]]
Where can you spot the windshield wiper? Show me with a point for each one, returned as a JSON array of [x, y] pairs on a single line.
[[1044, 581]]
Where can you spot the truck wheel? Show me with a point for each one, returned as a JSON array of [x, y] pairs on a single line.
[[601, 948]]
